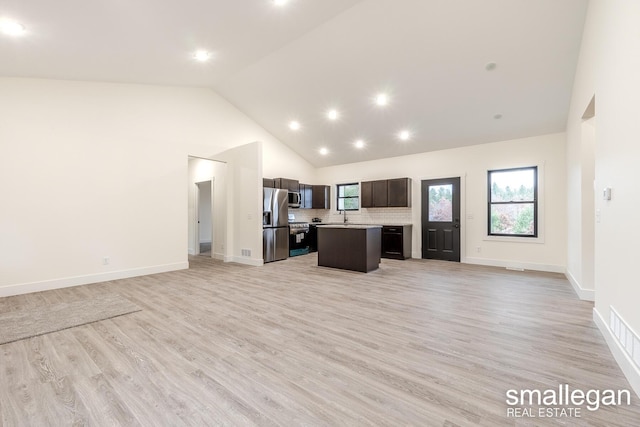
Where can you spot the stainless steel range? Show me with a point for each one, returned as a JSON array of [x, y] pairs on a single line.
[[298, 237]]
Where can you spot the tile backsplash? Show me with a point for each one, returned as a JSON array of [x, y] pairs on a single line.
[[391, 216]]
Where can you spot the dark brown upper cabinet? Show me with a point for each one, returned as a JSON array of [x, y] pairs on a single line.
[[366, 194], [386, 193], [306, 196], [399, 192], [311, 196], [268, 183], [287, 184], [320, 197], [380, 196], [373, 194]]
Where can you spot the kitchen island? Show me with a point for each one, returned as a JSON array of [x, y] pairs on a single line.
[[349, 247]]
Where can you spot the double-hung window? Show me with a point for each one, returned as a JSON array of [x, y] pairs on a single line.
[[513, 202], [348, 197]]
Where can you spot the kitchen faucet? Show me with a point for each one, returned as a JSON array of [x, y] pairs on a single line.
[[344, 212]]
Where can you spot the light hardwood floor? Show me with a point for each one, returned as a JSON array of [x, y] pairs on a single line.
[[417, 342]]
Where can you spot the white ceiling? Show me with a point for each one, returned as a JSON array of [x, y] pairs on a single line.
[[279, 64]]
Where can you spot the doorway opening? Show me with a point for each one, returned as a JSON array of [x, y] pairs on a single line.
[[204, 218], [441, 219], [207, 206]]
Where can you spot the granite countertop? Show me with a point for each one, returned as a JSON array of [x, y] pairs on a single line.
[[353, 226]]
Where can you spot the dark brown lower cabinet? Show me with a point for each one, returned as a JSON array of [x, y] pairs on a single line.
[[396, 241], [349, 248]]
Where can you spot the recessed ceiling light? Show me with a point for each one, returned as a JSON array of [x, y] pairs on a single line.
[[333, 114], [359, 143], [279, 2], [382, 99], [324, 151], [12, 28], [490, 66], [497, 116], [404, 135], [294, 125], [202, 55]]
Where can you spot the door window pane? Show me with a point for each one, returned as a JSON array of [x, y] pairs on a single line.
[[440, 203]]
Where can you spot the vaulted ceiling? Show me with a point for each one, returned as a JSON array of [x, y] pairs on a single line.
[[455, 72]]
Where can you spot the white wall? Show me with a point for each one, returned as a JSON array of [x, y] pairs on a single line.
[[244, 203], [92, 170], [472, 164], [279, 161], [587, 194], [609, 67]]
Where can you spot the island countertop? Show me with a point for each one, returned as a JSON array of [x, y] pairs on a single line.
[[376, 224], [354, 226]]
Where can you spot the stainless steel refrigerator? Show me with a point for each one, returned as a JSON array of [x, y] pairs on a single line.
[[275, 225]]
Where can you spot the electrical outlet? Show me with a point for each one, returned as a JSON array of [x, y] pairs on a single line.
[[478, 249], [106, 260]]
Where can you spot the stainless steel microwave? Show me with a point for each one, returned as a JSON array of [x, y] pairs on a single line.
[[294, 199]]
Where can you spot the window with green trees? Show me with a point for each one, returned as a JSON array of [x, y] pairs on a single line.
[[441, 203], [513, 202], [348, 197]]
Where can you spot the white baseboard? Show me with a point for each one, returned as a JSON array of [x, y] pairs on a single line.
[[583, 294], [506, 264], [515, 264], [217, 255], [629, 369], [66, 282], [256, 262], [191, 251]]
